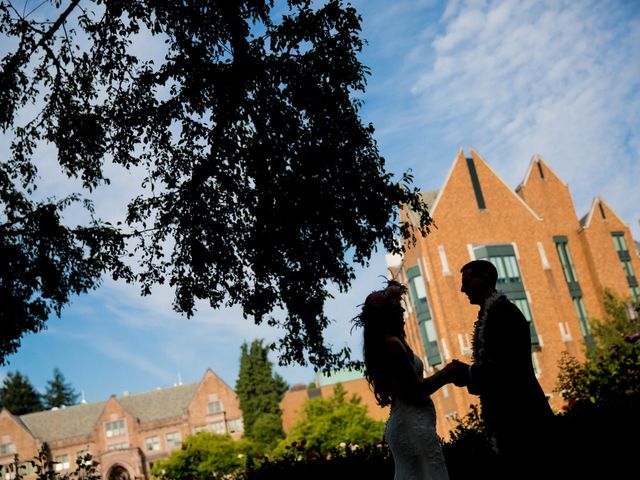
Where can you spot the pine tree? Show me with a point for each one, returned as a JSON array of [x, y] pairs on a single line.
[[18, 395], [260, 392], [59, 393]]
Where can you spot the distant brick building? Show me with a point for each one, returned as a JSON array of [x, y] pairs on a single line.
[[353, 382], [553, 265], [124, 434]]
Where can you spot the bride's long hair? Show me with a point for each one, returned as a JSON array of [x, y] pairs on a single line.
[[382, 314]]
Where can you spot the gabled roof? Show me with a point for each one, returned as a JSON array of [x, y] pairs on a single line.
[[585, 221], [79, 420], [432, 198], [535, 160], [68, 422], [6, 413], [515, 195], [159, 404]]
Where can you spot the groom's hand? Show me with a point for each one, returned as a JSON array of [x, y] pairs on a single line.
[[459, 373]]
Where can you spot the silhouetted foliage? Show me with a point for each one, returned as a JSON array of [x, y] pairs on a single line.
[[58, 392], [18, 395], [603, 397], [340, 463], [260, 391], [263, 187], [468, 452]]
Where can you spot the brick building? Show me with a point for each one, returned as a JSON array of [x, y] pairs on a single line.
[[553, 265], [124, 434], [353, 382]]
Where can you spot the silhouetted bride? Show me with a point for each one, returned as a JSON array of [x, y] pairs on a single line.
[[395, 374]]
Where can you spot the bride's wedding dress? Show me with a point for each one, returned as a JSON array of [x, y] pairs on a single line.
[[411, 435]]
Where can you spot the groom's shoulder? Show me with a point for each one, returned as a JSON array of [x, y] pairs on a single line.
[[504, 306]]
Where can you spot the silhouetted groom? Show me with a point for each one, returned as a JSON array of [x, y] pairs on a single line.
[[515, 410]]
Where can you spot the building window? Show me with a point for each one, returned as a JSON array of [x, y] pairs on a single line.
[[418, 294], [114, 429], [621, 247], [61, 462], [475, 182], [581, 312], [620, 242], [235, 425], [174, 440], [7, 449], [117, 446], [566, 260], [509, 281], [215, 407], [200, 428], [571, 278], [218, 427], [152, 443]]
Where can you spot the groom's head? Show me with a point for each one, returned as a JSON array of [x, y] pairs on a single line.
[[479, 279]]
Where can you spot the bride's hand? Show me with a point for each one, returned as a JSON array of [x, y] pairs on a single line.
[[456, 372]]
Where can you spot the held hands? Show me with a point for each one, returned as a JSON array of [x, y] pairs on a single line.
[[456, 372]]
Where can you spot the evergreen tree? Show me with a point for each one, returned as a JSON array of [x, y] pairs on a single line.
[[18, 395], [260, 392], [58, 392]]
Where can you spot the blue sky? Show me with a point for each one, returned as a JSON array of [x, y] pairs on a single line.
[[511, 79]]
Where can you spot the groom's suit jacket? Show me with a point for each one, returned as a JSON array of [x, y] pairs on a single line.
[[514, 406]]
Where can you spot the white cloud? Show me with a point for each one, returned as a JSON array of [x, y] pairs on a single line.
[[557, 78]]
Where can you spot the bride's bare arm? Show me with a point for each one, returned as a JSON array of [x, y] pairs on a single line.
[[405, 382]]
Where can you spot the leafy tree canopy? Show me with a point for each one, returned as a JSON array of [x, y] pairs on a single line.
[[18, 395], [204, 456], [611, 369], [58, 392], [260, 392], [327, 422], [263, 187]]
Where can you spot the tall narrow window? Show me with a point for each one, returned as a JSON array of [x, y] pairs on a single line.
[[509, 281], [578, 304], [621, 247], [418, 294], [571, 278], [475, 182]]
